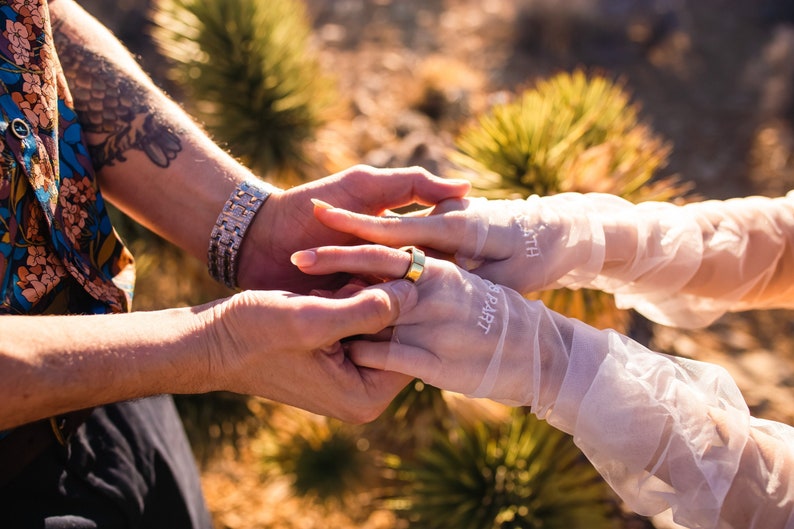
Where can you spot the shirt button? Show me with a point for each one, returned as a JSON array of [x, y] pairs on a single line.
[[20, 129]]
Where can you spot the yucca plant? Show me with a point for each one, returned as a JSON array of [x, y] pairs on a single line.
[[411, 418], [247, 70], [572, 132], [523, 474], [215, 421], [324, 459]]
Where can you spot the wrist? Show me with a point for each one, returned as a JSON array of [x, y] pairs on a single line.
[[578, 254], [259, 250], [207, 344], [186, 343], [231, 227]]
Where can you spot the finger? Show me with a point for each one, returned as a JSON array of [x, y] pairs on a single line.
[[404, 186], [390, 356], [390, 379], [348, 290], [441, 233], [369, 311], [343, 292], [353, 287], [448, 206], [367, 259]]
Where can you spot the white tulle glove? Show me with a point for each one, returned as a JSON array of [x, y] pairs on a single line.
[[666, 433], [528, 245], [678, 265]]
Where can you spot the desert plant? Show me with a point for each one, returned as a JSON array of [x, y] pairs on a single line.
[[215, 421], [325, 460], [247, 71], [411, 419], [572, 132], [521, 474]]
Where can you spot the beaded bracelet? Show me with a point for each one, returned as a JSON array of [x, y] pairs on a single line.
[[229, 230]]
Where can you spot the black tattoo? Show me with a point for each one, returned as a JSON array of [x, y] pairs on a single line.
[[112, 108]]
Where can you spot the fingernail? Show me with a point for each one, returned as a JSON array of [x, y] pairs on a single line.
[[304, 258], [321, 204]]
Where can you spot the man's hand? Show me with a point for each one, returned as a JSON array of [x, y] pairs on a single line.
[[281, 346], [287, 223], [290, 348]]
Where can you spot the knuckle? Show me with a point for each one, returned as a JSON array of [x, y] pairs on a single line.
[[380, 305], [360, 171]]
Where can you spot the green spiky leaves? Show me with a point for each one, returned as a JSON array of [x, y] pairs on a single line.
[[523, 474], [324, 459], [569, 133], [248, 73], [577, 133]]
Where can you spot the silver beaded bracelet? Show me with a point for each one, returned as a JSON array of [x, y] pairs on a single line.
[[229, 230]]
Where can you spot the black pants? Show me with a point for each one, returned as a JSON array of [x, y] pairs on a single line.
[[129, 466]]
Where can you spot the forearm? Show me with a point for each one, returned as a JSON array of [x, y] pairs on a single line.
[[153, 161], [665, 432], [687, 265], [55, 364]]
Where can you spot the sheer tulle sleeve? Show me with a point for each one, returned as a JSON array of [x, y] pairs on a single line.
[[668, 432], [687, 265], [665, 432]]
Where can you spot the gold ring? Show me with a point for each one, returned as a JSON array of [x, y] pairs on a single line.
[[417, 265]]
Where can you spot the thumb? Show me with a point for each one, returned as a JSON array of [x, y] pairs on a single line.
[[403, 297], [374, 308]]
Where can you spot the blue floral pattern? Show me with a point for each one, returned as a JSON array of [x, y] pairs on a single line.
[[59, 252]]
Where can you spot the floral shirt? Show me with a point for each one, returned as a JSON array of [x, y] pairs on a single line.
[[58, 250]]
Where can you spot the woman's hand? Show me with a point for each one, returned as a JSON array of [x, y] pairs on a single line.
[[464, 333], [528, 245]]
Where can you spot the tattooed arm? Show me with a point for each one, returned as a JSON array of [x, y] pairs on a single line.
[[159, 167], [149, 155]]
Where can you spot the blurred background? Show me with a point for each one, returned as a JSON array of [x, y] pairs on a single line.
[[654, 99]]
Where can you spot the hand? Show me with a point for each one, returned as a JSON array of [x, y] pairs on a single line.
[[528, 245], [464, 333], [289, 348], [286, 222]]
